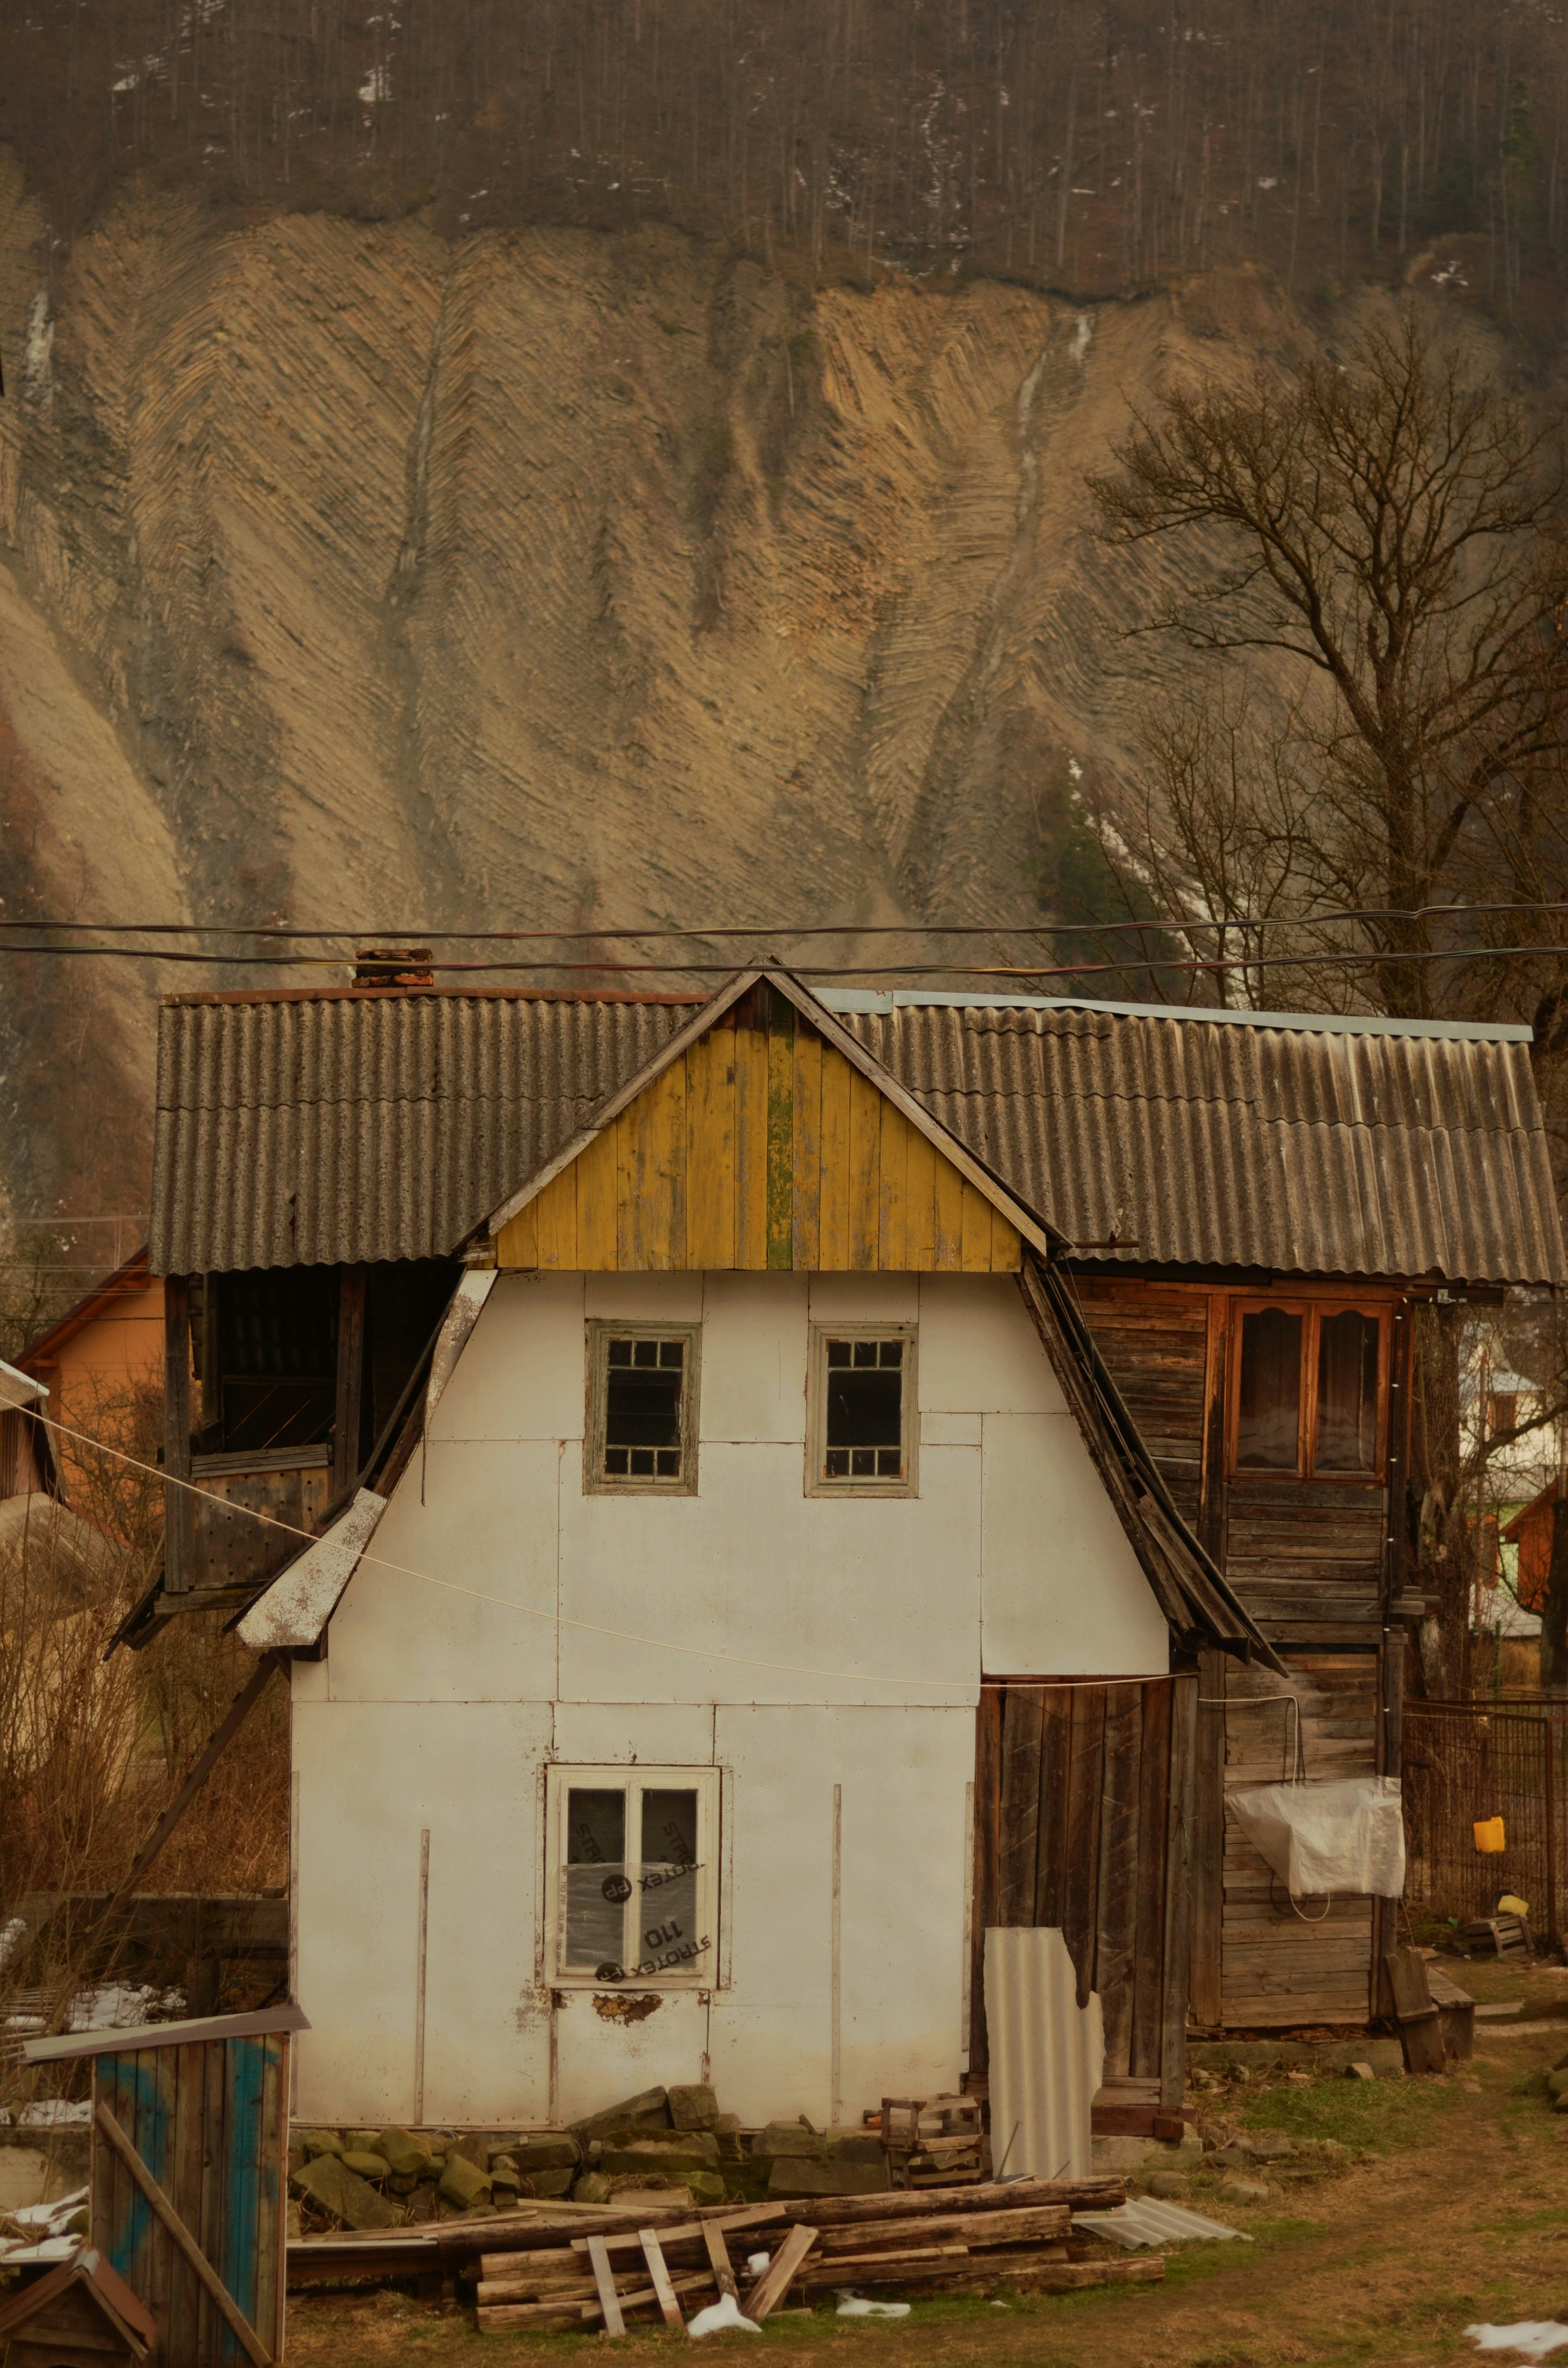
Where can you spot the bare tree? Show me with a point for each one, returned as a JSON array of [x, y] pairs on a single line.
[[1390, 531]]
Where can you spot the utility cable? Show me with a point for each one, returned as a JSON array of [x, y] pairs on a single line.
[[1371, 959], [399, 938], [451, 1587]]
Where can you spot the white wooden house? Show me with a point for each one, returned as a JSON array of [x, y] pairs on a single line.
[[640, 1678]]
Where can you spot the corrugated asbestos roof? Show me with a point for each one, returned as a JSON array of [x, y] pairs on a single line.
[[1301, 1150], [308, 1128], [305, 1130]]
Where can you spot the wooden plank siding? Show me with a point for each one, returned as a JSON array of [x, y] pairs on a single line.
[[208, 2120], [761, 1147], [1081, 1825], [1308, 1558]]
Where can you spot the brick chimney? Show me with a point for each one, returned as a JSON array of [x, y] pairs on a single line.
[[393, 966]]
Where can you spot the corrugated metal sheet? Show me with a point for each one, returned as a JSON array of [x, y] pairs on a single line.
[[1047, 2055], [1299, 1150], [300, 1130], [1147, 2220]]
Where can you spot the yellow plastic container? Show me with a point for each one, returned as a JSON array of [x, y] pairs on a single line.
[[1489, 1834]]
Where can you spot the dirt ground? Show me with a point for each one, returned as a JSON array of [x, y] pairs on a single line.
[[1455, 2209]]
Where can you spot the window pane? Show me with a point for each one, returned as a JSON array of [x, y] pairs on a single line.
[[1348, 1392], [642, 1409], [668, 1937], [865, 1411], [596, 1828], [597, 1886], [1270, 1391], [669, 1829]]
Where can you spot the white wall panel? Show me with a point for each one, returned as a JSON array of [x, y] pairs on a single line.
[[865, 1589], [487, 1525], [520, 1372], [865, 1297], [1062, 1591], [653, 1298], [979, 1352], [904, 1875], [753, 1358], [675, 1735], [371, 1778]]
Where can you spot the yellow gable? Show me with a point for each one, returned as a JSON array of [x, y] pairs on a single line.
[[760, 1146]]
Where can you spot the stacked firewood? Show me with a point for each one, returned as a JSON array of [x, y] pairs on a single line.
[[659, 2263]]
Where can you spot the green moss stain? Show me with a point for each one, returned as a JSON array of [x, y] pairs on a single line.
[[780, 1131]]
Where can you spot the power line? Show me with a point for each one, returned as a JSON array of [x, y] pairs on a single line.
[[408, 934], [1373, 958]]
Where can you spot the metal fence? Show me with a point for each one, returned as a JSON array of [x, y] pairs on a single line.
[[1464, 1763]]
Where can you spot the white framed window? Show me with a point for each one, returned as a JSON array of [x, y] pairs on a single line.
[[860, 1414], [632, 1867], [640, 1432]]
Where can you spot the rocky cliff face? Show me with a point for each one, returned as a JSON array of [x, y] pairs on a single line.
[[364, 579]]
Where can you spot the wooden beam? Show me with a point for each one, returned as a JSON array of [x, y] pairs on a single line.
[[179, 1506], [350, 1376], [1208, 1846], [653, 2255], [719, 2257], [1180, 1808], [776, 2279], [105, 2121], [604, 2282]]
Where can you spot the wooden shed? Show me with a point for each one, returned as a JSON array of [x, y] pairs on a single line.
[[190, 2139], [78, 2315]]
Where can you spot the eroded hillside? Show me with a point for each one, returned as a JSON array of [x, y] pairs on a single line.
[[357, 577]]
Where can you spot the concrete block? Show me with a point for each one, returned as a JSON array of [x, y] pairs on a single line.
[[349, 2199], [679, 2151], [463, 2183], [695, 2108], [649, 2110]]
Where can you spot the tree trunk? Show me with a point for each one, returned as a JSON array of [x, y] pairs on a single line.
[[1555, 1615]]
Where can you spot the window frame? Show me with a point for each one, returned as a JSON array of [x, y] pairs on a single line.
[[561, 1778], [817, 1482], [1313, 1313], [597, 1481]]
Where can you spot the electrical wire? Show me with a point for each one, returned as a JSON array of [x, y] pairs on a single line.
[[451, 1587], [401, 938], [1035, 970]]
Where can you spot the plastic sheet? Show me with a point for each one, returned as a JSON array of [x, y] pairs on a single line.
[[1328, 1839]]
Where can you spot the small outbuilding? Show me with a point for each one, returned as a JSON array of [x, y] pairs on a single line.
[[82, 2315]]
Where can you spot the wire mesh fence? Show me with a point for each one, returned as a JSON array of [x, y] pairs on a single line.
[[1465, 1763]]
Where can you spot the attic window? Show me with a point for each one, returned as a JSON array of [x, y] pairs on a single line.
[[862, 1411], [641, 1427], [1310, 1391]]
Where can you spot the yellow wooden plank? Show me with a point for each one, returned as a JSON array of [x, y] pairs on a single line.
[[832, 1249], [780, 1131], [516, 1244], [710, 1156], [976, 1232], [1006, 1244], [807, 1148], [947, 1249], [920, 1200], [865, 1198], [751, 1147], [626, 1130], [892, 1215], [662, 1222], [557, 1206], [597, 1248]]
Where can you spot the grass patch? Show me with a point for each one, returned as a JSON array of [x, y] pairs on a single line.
[[1371, 2117]]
